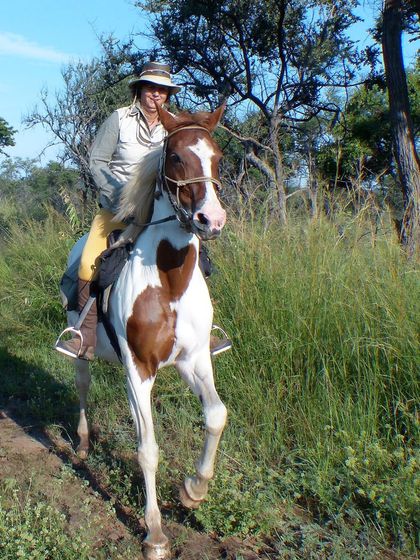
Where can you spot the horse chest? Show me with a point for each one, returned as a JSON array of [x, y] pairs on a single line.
[[152, 313]]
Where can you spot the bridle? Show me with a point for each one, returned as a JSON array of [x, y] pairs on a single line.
[[184, 216]]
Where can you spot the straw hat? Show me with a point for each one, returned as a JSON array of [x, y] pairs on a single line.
[[156, 73]]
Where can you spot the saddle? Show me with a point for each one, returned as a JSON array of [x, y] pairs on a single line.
[[112, 261]]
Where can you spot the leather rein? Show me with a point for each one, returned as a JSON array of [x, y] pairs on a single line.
[[184, 216]]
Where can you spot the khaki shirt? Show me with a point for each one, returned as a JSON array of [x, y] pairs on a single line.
[[122, 142]]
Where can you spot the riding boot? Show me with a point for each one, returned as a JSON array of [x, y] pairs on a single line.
[[83, 343]]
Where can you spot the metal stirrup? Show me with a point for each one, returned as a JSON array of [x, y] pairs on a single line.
[[76, 328], [216, 327]]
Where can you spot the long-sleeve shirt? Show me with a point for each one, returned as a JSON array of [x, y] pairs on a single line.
[[122, 143]]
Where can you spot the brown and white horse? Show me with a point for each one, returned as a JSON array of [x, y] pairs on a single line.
[[161, 309]]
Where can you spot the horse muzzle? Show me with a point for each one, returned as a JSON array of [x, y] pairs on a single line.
[[209, 225]]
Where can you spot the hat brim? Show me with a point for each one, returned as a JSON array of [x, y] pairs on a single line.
[[173, 88]]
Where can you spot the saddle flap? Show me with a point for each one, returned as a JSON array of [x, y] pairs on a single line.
[[68, 287]]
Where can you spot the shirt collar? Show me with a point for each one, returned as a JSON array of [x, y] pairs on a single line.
[[137, 110]]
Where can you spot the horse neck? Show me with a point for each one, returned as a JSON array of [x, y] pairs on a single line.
[[171, 229], [162, 207]]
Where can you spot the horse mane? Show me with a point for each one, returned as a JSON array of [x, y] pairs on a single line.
[[137, 194]]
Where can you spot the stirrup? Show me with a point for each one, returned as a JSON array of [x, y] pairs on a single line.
[[75, 330], [77, 333], [224, 344]]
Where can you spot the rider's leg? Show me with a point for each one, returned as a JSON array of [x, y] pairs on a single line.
[[84, 347]]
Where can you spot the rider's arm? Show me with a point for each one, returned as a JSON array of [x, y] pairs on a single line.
[[101, 154]]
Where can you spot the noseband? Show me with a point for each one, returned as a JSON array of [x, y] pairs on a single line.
[[184, 216]]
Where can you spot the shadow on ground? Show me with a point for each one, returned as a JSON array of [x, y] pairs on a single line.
[[34, 400]]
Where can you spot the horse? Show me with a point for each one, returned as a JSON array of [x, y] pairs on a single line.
[[161, 310]]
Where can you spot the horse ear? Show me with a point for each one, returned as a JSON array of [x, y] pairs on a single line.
[[168, 120], [215, 117]]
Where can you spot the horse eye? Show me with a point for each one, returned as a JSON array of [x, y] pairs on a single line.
[[175, 158]]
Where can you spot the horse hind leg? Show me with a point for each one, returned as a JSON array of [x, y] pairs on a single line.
[[201, 381], [83, 378]]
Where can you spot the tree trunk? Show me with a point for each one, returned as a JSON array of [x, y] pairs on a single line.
[[278, 171], [275, 183], [313, 185], [407, 160]]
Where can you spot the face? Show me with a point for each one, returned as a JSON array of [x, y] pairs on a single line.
[[151, 94], [189, 156]]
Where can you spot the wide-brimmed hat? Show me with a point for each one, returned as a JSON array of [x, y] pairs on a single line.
[[156, 73]]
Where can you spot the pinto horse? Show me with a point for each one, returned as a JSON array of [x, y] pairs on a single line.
[[161, 310]]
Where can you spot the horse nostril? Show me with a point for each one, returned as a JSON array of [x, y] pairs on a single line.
[[202, 219]]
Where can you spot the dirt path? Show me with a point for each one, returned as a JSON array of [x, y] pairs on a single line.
[[50, 471], [46, 468]]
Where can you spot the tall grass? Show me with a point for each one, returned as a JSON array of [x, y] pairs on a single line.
[[321, 385], [323, 381]]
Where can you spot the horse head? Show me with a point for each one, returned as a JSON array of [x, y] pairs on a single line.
[[190, 170]]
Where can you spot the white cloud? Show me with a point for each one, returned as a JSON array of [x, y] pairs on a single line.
[[17, 45]]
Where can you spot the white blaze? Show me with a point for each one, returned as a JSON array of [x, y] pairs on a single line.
[[210, 205], [204, 152]]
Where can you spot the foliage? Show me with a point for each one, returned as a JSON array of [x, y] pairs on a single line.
[[74, 116], [360, 149], [332, 366], [50, 513], [6, 135], [241, 490], [275, 58], [354, 152], [27, 189], [256, 51], [34, 531]]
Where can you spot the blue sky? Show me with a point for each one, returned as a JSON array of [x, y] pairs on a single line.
[[38, 37]]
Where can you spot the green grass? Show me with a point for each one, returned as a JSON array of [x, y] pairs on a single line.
[[34, 530], [327, 341], [321, 386]]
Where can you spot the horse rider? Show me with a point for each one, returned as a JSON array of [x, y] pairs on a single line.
[[130, 139]]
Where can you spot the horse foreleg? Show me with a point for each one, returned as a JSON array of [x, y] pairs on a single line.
[[155, 545], [201, 381], [83, 384]]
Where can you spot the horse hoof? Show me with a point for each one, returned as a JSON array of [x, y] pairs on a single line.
[[156, 551], [82, 453], [186, 501]]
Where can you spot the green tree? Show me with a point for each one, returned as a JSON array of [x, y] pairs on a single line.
[[354, 153], [275, 57], [91, 91], [6, 135], [30, 188]]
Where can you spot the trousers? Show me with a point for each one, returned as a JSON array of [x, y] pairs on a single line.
[[101, 227]]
